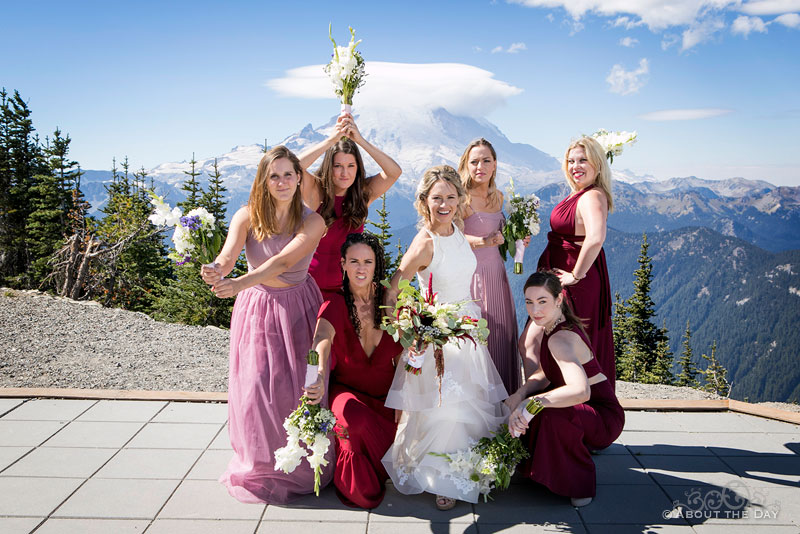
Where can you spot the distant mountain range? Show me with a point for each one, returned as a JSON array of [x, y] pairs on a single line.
[[725, 253]]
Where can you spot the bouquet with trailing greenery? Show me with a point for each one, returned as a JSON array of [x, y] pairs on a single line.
[[422, 320], [311, 424], [614, 142], [523, 220], [346, 69], [488, 464], [197, 236]]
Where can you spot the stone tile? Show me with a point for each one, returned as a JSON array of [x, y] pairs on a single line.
[[643, 421], [526, 503], [738, 505], [405, 528], [6, 405], [21, 433], [789, 443], [121, 498], [94, 434], [92, 526], [60, 462], [207, 526], [664, 443], [19, 525], [9, 455], [34, 496], [193, 412], [762, 424], [741, 444], [718, 422], [326, 507], [222, 441], [150, 463], [624, 505], [399, 508], [649, 528], [683, 470], [767, 471], [50, 410], [210, 466], [174, 436], [122, 411], [615, 448], [207, 499], [619, 469]]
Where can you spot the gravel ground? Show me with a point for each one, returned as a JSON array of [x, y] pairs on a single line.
[[61, 343]]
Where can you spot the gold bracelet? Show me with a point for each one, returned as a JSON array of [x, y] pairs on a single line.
[[575, 277]]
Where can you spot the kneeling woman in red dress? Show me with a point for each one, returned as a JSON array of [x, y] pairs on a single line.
[[362, 358], [581, 412]]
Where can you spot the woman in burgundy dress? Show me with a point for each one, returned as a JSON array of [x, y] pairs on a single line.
[[362, 361], [581, 412], [575, 246], [341, 193]]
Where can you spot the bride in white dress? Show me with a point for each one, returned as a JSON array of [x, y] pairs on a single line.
[[471, 390]]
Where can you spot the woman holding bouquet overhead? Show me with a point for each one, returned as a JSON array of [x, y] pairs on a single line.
[[578, 410], [483, 223], [441, 413], [341, 192], [362, 359], [575, 246], [271, 327]]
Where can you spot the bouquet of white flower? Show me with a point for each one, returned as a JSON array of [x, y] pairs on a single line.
[[311, 424], [523, 220], [614, 142], [197, 236], [346, 69], [488, 464]]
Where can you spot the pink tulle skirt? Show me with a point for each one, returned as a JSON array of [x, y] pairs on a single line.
[[271, 333]]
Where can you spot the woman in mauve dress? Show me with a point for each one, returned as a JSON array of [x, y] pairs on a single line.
[[271, 328], [483, 221], [581, 412], [362, 358], [341, 192], [575, 246]]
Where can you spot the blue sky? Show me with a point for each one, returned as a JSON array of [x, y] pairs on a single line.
[[711, 86]]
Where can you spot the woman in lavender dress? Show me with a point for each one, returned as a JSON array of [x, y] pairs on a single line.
[[483, 220], [271, 327]]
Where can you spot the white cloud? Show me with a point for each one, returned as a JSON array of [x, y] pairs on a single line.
[[790, 20], [459, 88], [744, 25], [684, 114], [497, 49], [770, 7], [700, 32], [627, 82], [516, 47], [669, 40], [477, 49], [630, 42]]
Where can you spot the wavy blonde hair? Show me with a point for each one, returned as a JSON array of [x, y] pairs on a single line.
[[467, 179], [263, 218], [597, 158], [448, 174]]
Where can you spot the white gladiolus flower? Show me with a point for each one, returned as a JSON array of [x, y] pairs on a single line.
[[163, 215], [533, 226], [318, 450], [289, 457], [206, 218], [182, 240]]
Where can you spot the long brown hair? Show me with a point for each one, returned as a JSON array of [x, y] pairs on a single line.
[[380, 267], [263, 218], [549, 281], [466, 177], [448, 174], [356, 200], [597, 157]]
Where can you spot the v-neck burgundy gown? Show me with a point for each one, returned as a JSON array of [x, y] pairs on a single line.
[[358, 387]]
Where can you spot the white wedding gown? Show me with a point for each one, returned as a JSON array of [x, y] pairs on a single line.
[[472, 391]]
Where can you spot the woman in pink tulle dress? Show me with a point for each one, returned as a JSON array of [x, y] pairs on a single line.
[[271, 327], [341, 192], [483, 221]]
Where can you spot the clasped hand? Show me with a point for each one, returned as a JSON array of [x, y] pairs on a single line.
[[222, 287], [315, 391]]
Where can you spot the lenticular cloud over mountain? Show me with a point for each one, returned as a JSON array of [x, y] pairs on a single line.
[[460, 89]]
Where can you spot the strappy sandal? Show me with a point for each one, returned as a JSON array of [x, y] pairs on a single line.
[[444, 503]]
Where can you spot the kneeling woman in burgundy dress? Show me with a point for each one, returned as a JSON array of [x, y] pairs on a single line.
[[581, 412], [362, 358]]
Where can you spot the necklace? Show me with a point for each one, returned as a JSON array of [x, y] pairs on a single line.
[[557, 322]]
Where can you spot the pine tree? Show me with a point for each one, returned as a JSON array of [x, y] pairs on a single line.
[[619, 329], [715, 375], [688, 369], [214, 199], [194, 191], [643, 357], [384, 234]]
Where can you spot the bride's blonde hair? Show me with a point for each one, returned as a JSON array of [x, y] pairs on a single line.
[[448, 174]]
